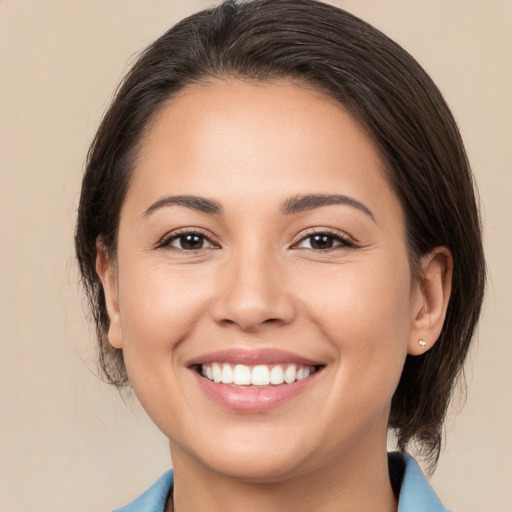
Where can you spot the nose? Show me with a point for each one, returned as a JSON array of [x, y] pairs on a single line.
[[252, 293]]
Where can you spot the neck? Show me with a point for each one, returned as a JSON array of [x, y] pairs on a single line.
[[356, 484]]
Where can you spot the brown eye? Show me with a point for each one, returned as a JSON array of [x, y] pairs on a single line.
[[188, 242], [321, 242], [324, 242]]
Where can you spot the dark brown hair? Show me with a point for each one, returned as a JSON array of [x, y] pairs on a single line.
[[384, 88]]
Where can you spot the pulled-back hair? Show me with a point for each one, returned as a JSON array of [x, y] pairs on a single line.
[[384, 88]]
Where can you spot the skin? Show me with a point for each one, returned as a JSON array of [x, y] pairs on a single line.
[[258, 283]]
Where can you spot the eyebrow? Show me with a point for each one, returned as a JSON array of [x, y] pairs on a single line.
[[200, 204], [292, 205], [298, 204]]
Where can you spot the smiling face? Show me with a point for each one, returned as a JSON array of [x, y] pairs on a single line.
[[260, 244]]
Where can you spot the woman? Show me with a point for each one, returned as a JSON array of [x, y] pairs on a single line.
[[279, 237]]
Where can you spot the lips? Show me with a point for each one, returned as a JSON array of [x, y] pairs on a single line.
[[253, 357], [253, 381]]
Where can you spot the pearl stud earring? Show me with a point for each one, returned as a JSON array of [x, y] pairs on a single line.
[[422, 343]]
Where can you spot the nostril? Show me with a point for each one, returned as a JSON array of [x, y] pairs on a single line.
[[272, 321]]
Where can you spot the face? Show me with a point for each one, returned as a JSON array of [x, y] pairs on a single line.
[[262, 293]]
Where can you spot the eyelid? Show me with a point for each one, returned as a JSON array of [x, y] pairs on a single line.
[[346, 242], [176, 233]]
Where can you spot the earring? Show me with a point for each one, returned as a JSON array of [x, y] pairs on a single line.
[[422, 343]]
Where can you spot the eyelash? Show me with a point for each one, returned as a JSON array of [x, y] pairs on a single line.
[[343, 242], [176, 235]]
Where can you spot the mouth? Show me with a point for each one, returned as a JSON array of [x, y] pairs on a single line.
[[254, 381], [260, 375]]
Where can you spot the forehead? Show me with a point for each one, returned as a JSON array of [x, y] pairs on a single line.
[[258, 141]]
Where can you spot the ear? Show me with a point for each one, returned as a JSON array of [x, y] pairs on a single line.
[[106, 271], [433, 291]]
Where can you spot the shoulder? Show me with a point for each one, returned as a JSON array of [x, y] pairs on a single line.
[[153, 499], [416, 494]]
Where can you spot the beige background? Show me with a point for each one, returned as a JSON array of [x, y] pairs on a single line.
[[67, 441]]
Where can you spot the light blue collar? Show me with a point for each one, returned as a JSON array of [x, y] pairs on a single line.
[[153, 499], [416, 495]]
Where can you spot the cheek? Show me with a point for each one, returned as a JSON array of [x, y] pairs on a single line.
[[376, 290], [158, 310], [364, 311]]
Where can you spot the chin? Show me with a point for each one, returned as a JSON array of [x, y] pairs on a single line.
[[254, 460], [262, 468]]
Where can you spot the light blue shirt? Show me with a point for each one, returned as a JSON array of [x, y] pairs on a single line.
[[416, 495]]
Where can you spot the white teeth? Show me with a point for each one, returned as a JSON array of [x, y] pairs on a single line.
[[277, 375], [290, 374], [242, 375], [217, 372], [259, 375], [227, 374]]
